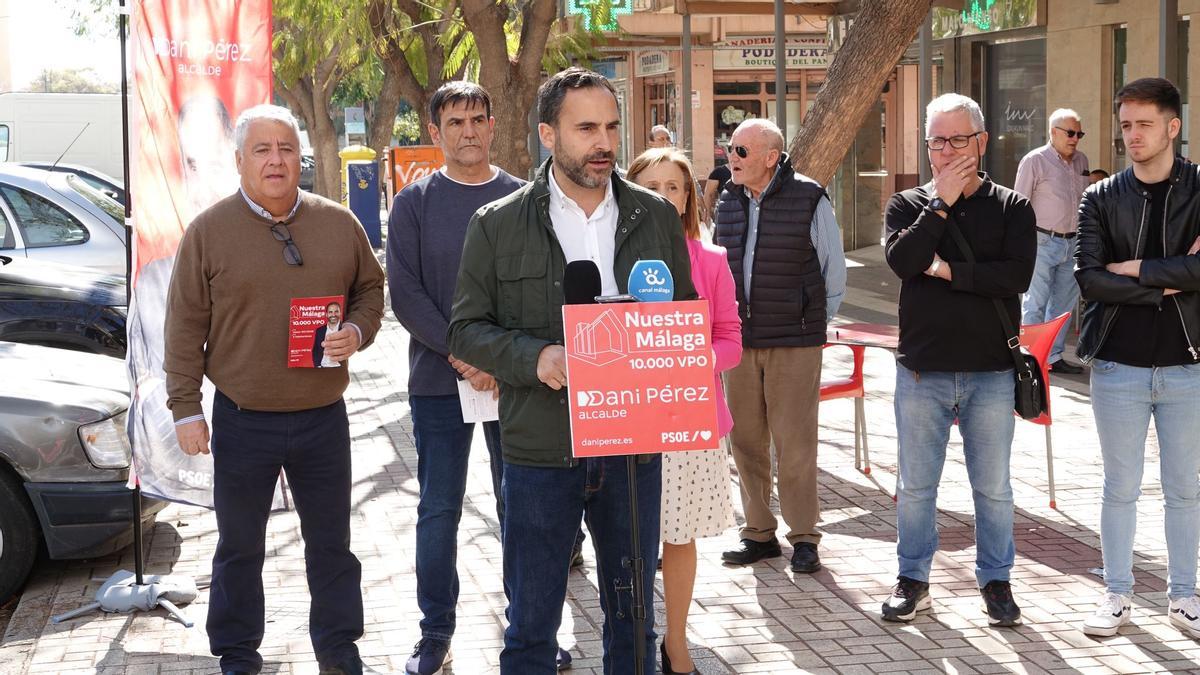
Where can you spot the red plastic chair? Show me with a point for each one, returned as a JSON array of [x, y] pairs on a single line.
[[1038, 339], [852, 387]]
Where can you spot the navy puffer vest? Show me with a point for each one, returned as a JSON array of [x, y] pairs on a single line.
[[786, 307]]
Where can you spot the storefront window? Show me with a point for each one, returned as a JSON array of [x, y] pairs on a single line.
[[728, 115], [736, 88], [1014, 105], [792, 88], [857, 190]]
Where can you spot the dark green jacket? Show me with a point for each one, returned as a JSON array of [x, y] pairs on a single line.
[[508, 304]]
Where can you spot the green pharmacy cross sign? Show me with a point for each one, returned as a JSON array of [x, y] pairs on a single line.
[[601, 14], [978, 14]]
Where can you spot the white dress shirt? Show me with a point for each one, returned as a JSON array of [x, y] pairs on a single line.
[[587, 238]]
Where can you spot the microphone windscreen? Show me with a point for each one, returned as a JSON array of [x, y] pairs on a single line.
[[651, 281], [581, 282]]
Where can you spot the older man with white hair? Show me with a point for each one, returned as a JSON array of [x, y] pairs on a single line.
[[785, 252], [240, 269], [1054, 177], [954, 363]]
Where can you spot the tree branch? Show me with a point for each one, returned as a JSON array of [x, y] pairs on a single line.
[[874, 45]]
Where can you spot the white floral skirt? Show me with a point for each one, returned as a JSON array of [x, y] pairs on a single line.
[[696, 498]]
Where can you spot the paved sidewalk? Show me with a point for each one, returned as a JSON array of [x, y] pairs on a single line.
[[761, 619]]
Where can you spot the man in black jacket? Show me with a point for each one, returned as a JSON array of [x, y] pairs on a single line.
[[1138, 272], [785, 252], [954, 361]]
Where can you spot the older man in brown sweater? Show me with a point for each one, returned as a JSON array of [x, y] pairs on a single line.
[[240, 266]]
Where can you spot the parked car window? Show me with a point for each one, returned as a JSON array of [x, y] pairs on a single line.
[[7, 238], [94, 193], [3, 142], [42, 222]]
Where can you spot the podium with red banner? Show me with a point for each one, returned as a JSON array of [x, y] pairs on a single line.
[[640, 378]]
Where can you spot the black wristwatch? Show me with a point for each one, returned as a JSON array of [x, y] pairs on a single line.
[[938, 205]]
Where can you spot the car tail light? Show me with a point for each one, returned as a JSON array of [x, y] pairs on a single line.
[[106, 443]]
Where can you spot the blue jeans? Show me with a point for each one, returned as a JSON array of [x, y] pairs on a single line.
[[313, 448], [1052, 290], [443, 449], [542, 510], [927, 403], [1123, 400]]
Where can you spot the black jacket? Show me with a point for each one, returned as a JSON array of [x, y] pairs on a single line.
[[786, 307], [1112, 228], [952, 326]]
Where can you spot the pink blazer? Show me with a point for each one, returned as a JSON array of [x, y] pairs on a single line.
[[714, 282]]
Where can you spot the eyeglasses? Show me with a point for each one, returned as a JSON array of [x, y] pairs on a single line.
[[291, 254], [1071, 133], [957, 142], [741, 150]]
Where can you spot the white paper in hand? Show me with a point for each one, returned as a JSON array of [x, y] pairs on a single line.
[[477, 406]]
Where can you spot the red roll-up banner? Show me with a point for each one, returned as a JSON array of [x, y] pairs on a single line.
[[196, 66]]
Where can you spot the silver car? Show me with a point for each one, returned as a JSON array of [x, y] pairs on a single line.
[[64, 459], [60, 218]]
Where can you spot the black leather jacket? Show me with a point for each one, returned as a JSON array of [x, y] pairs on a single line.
[[1113, 218]]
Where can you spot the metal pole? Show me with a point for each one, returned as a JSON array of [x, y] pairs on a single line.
[[122, 22], [636, 565], [685, 121], [139, 555], [925, 89], [780, 71]]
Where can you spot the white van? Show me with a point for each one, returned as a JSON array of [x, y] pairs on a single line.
[[42, 127]]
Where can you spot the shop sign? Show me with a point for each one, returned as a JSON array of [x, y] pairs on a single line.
[[984, 16], [656, 62], [756, 52]]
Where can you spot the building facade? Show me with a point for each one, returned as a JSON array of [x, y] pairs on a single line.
[[1020, 59]]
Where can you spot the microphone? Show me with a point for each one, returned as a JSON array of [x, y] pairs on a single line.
[[651, 281], [581, 282]]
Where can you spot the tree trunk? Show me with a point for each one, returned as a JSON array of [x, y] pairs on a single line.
[[312, 104], [874, 45], [512, 82], [383, 115]]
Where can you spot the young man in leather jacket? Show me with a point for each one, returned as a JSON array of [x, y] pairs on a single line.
[[1138, 272]]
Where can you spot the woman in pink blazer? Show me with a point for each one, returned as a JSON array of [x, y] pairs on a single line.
[[695, 485]]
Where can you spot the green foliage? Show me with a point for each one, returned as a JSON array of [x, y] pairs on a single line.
[[92, 17], [72, 81], [307, 33], [361, 84], [577, 46], [408, 127]]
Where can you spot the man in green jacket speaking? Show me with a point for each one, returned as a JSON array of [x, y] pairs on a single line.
[[507, 320]]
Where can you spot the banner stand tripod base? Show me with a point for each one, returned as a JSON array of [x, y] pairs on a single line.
[[121, 593]]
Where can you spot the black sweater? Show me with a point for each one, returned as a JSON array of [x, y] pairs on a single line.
[[953, 326]]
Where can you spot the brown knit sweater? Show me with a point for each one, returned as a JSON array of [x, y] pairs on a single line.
[[230, 300]]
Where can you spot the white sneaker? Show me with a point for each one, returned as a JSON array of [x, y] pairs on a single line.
[[1185, 614], [1112, 612]]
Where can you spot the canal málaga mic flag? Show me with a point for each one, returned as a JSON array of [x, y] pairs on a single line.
[[196, 66]]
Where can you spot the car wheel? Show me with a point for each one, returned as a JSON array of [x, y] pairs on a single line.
[[18, 536]]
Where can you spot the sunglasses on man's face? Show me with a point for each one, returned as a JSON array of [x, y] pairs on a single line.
[[1071, 133], [741, 151]]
